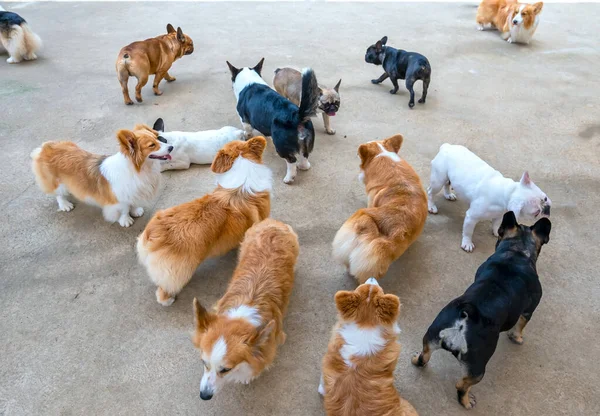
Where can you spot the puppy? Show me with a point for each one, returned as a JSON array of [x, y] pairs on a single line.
[[516, 22], [178, 239], [152, 56], [489, 193], [288, 82], [358, 368], [117, 183], [374, 237], [263, 109], [17, 38], [200, 147], [239, 340], [503, 297], [400, 64]]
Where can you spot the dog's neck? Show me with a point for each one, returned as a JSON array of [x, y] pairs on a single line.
[[382, 54], [248, 176], [174, 46]]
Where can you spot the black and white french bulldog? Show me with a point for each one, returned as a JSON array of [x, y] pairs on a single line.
[[400, 64]]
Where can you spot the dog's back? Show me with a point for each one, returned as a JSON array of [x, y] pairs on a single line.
[[17, 38]]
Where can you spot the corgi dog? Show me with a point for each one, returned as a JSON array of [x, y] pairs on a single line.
[[374, 237], [118, 183], [517, 22], [358, 369], [178, 239], [194, 147], [17, 38], [239, 340]]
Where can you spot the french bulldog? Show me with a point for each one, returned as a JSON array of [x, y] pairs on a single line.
[[400, 64], [489, 193], [288, 82]]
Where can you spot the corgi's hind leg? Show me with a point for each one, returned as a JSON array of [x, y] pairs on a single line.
[[169, 275]]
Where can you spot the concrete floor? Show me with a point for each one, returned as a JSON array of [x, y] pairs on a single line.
[[81, 330]]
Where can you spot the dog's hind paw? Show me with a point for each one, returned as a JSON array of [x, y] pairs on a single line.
[[12, 60], [416, 359], [479, 27], [467, 245], [374, 81], [288, 180], [125, 221], [411, 104], [467, 400], [330, 131], [450, 197], [65, 206], [517, 339], [137, 212], [432, 209]]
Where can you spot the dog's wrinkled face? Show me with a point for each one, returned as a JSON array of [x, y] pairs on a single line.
[[329, 99], [368, 306], [187, 44], [525, 14], [531, 203], [229, 348], [142, 143], [528, 240], [374, 52]]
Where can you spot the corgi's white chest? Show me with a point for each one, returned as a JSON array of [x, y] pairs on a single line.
[[518, 34]]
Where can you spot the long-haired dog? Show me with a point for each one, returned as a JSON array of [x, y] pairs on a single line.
[[17, 38], [505, 294], [358, 368], [117, 183], [289, 125], [516, 22], [152, 56], [373, 237], [239, 340], [178, 239]]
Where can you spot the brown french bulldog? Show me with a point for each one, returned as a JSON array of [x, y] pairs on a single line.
[[288, 82], [152, 56]]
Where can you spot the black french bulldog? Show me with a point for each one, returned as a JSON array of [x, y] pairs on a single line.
[[400, 64], [503, 297]]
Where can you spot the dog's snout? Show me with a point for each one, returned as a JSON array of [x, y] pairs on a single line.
[[546, 210], [170, 149], [206, 395], [515, 22]]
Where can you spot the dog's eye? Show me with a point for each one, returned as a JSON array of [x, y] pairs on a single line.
[[545, 199], [152, 145], [225, 370]]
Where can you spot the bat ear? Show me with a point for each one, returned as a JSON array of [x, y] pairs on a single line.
[[541, 230], [525, 179], [180, 35], [234, 71], [384, 40], [337, 86], [159, 125], [509, 226], [170, 28], [258, 67]]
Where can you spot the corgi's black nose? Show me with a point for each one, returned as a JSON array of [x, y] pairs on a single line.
[[205, 395], [515, 22], [170, 149]]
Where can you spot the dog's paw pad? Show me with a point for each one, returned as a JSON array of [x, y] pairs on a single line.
[[137, 212], [330, 131], [166, 302], [469, 402], [304, 166], [432, 209], [415, 359], [157, 92], [65, 206], [288, 180], [128, 102], [450, 197], [517, 339], [126, 221], [467, 246]]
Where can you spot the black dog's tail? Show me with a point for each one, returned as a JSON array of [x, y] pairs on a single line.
[[309, 100]]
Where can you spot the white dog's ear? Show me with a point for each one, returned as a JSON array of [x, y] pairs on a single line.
[[525, 179]]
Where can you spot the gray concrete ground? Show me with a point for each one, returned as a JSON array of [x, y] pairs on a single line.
[[81, 331]]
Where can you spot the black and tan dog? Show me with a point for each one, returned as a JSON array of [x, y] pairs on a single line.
[[400, 64], [288, 82], [503, 297], [151, 56]]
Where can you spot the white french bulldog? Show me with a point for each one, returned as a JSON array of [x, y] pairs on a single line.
[[199, 147], [489, 193]]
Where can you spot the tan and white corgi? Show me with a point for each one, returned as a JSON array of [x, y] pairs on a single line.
[[239, 340]]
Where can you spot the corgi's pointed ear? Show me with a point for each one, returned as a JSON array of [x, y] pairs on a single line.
[[537, 7], [384, 40], [394, 143], [388, 308], [180, 36], [170, 28], [365, 154], [541, 230], [159, 125], [262, 334], [525, 179], [127, 141], [234, 71], [202, 318], [257, 145], [143, 127], [346, 302], [337, 86], [222, 162], [258, 66]]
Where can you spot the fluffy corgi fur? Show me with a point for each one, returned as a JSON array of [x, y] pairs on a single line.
[[117, 183], [239, 340], [517, 22], [358, 368], [289, 125], [199, 147], [373, 237], [178, 239], [17, 38]]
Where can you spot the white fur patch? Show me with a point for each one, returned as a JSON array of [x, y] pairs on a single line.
[[360, 342], [245, 78], [386, 153], [210, 383], [455, 337], [129, 186], [246, 312], [250, 176]]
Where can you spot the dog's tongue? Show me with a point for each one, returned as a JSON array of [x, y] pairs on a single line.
[[331, 113], [168, 157]]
